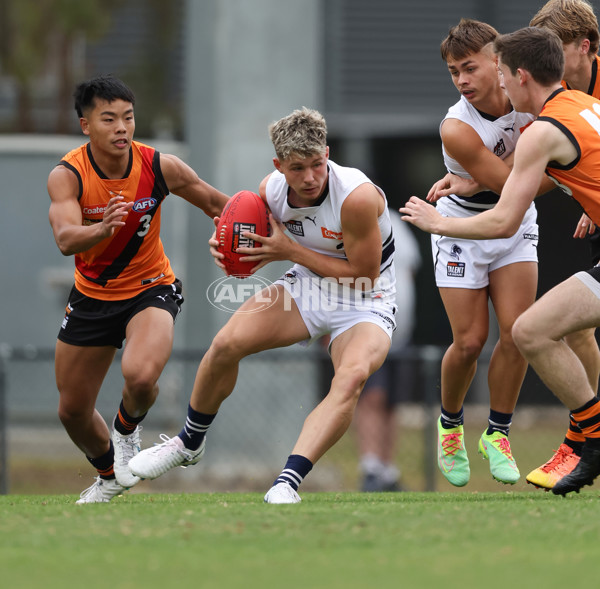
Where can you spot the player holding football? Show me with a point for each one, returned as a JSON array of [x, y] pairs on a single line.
[[343, 232], [562, 143], [105, 210]]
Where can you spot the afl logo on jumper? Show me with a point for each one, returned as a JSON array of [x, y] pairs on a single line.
[[144, 204]]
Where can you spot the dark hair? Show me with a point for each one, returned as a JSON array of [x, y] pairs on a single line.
[[537, 50], [467, 37], [106, 88]]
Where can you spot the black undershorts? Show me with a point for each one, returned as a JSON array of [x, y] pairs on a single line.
[[93, 322]]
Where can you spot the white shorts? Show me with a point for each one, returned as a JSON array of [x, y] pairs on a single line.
[[326, 313], [467, 263], [590, 279]]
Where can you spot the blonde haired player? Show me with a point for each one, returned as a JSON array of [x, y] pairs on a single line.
[[343, 253]]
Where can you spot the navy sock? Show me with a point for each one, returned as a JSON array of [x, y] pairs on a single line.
[[124, 423], [499, 422], [104, 464], [296, 468], [194, 430], [451, 420]]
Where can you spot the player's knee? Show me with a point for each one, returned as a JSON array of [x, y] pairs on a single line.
[[350, 380], [524, 335], [469, 348], [226, 349], [141, 385], [69, 414]]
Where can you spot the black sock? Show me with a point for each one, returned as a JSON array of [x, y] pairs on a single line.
[[296, 468], [104, 464], [124, 423], [195, 428]]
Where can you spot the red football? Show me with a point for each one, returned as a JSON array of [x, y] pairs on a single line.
[[244, 211]]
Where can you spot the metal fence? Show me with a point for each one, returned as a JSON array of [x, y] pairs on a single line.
[[256, 428]]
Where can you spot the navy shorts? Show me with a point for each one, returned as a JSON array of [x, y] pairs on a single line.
[[93, 322]]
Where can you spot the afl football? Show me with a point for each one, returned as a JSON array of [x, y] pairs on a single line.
[[244, 212]]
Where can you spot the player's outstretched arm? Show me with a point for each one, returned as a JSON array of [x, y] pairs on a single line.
[[521, 187], [184, 182]]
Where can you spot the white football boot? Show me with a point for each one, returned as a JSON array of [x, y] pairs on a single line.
[[155, 461], [282, 493], [102, 491], [126, 447]]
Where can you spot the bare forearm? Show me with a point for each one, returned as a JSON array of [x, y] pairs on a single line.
[[73, 240], [330, 267], [486, 225]]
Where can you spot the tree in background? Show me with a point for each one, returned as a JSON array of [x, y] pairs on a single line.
[[33, 33]]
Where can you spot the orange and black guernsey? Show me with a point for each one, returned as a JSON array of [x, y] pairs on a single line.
[[133, 258], [577, 115]]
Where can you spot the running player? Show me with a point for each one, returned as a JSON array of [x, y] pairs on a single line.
[[576, 25], [342, 284], [105, 211], [563, 143], [479, 134]]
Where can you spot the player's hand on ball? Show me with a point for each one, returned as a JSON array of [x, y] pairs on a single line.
[[277, 247], [213, 244], [245, 214]]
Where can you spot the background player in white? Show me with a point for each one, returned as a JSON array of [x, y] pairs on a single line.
[[479, 134], [562, 143], [575, 23], [349, 240]]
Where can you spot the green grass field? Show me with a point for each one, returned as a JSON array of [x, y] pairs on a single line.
[[330, 540]]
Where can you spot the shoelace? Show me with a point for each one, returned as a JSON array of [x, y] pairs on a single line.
[[558, 461], [95, 490], [87, 492], [504, 447], [167, 443], [451, 444], [129, 446]]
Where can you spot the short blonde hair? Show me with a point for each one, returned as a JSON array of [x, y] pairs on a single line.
[[571, 20], [303, 133]]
